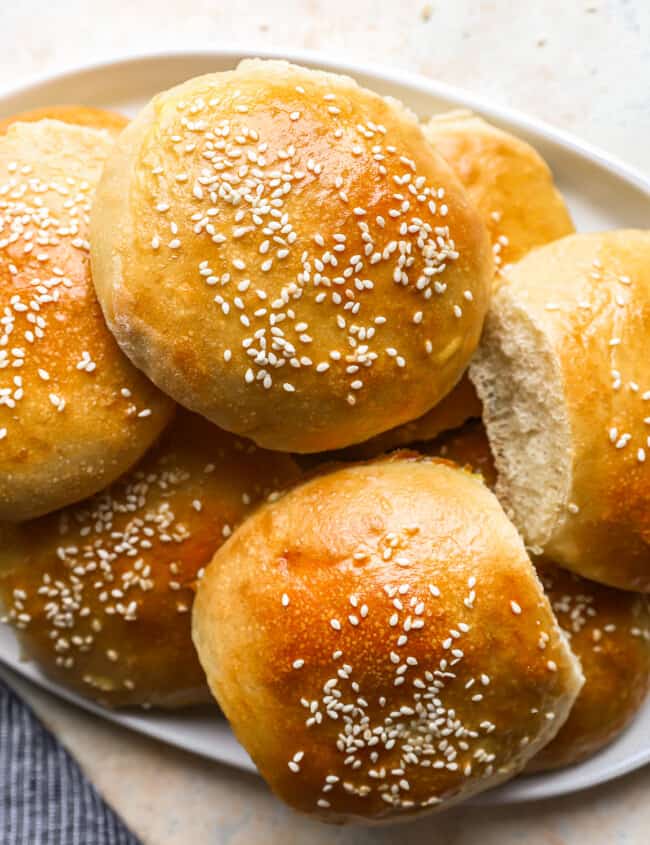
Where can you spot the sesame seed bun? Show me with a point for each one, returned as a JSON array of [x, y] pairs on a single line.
[[608, 630], [100, 592], [563, 378], [512, 187], [77, 115], [395, 663], [285, 253], [508, 181], [74, 412]]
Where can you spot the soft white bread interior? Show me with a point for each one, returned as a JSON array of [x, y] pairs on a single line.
[[562, 372]]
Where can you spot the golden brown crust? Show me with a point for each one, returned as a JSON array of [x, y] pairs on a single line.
[[507, 180], [100, 593], [373, 652], [74, 412], [88, 116], [248, 233], [513, 189], [608, 630], [587, 298]]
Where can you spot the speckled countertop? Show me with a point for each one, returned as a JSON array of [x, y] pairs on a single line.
[[583, 65]]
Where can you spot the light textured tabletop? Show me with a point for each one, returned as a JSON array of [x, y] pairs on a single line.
[[583, 65]]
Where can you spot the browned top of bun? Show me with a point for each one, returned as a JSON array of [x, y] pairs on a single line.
[[507, 180], [285, 253], [74, 412], [380, 643], [609, 632], [89, 116], [100, 592]]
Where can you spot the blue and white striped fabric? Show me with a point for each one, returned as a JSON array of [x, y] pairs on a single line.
[[44, 797]]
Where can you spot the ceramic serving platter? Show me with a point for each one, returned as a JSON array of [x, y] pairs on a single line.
[[602, 193]]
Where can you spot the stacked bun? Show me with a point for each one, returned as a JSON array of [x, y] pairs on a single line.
[[101, 591], [74, 412], [513, 190], [333, 273], [508, 181], [306, 269]]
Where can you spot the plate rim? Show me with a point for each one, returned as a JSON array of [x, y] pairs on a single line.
[[335, 63], [634, 177]]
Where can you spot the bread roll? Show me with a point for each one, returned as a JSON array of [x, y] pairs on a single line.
[[100, 593], [78, 115], [608, 629], [283, 252], [507, 180], [74, 412], [512, 187], [380, 643], [563, 376]]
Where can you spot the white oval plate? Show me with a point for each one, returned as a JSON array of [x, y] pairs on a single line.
[[602, 193]]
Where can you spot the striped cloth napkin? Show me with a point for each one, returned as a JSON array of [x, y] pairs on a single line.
[[44, 797]]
